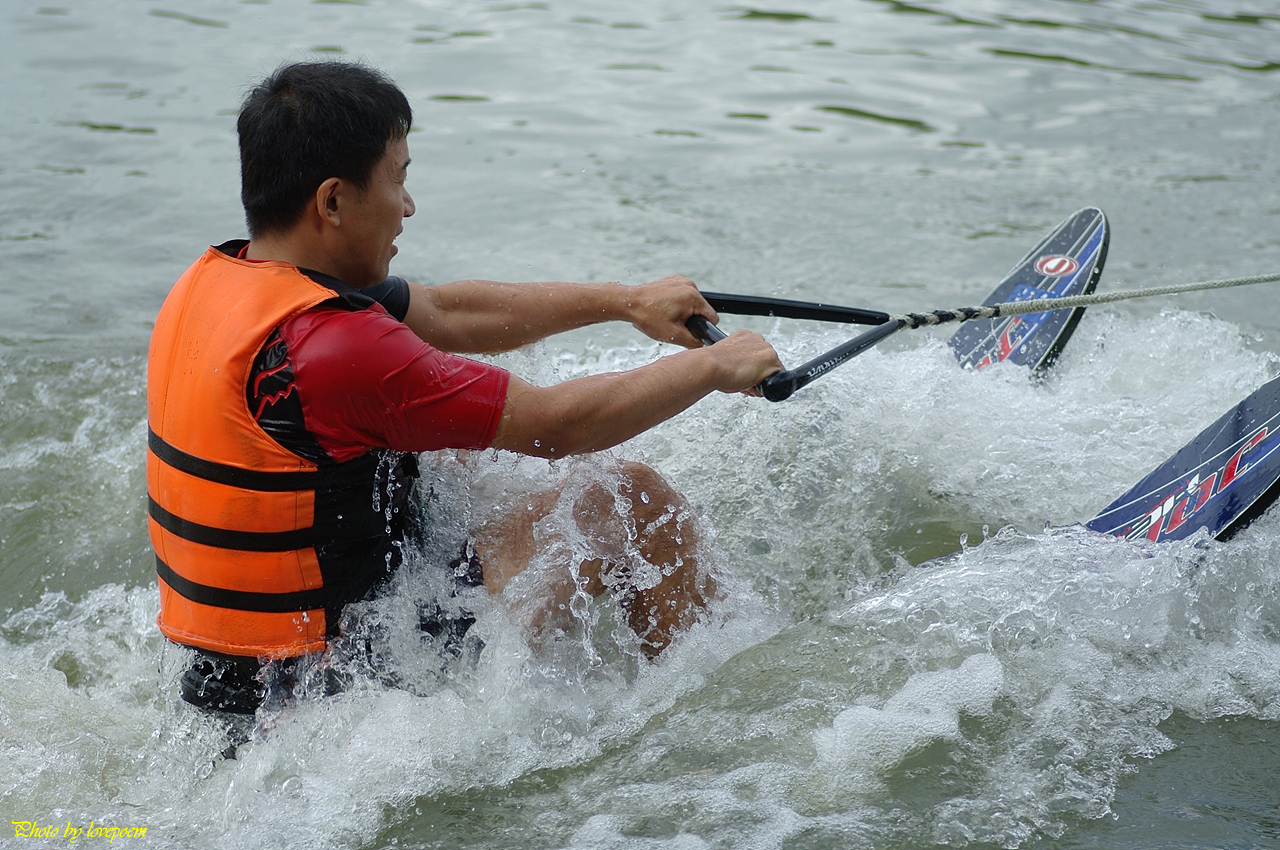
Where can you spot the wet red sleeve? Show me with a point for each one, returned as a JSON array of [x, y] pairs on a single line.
[[366, 381]]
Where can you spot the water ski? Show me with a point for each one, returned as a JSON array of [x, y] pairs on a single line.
[[1221, 480], [1066, 262]]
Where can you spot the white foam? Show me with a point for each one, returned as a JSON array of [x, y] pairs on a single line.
[[927, 708]]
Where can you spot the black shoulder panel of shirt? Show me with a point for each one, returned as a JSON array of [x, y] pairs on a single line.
[[392, 293]]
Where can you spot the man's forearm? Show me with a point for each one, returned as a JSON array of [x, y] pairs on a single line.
[[484, 316], [600, 411]]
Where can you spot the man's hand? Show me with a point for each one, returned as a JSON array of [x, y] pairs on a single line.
[[744, 359], [660, 308]]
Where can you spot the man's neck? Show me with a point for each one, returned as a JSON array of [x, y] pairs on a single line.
[[288, 248], [311, 243]]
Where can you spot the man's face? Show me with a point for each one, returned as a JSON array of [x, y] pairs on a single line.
[[376, 218]]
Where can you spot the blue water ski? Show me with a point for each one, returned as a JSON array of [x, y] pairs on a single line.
[[1222, 480], [1066, 262]]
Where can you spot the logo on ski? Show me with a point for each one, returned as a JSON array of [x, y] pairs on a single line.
[[1056, 265], [1190, 497]]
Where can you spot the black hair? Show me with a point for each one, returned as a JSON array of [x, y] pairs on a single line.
[[308, 122]]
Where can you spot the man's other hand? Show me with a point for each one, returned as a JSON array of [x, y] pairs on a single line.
[[660, 308]]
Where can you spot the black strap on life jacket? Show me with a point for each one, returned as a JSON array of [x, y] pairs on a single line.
[[243, 600], [333, 477], [345, 521]]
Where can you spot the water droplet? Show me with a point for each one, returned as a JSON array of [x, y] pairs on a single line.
[[644, 497]]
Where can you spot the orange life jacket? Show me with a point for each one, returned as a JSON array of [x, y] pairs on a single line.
[[256, 547]]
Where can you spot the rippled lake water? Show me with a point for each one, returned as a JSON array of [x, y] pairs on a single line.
[[857, 687]]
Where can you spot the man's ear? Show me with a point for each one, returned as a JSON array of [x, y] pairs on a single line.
[[329, 201]]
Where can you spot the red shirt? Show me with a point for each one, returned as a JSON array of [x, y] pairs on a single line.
[[346, 377], [366, 381]]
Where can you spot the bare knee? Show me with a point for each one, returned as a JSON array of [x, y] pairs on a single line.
[[667, 537], [664, 525], [641, 510], [505, 544], [642, 482]]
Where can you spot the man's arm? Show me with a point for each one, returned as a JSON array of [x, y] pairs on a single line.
[[600, 411], [485, 317]]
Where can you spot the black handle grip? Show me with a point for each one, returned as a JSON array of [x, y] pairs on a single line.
[[704, 330], [787, 308], [779, 386]]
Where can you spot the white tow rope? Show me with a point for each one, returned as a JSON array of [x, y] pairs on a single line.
[[1040, 305]]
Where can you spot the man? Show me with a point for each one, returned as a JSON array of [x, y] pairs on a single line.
[[290, 381]]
